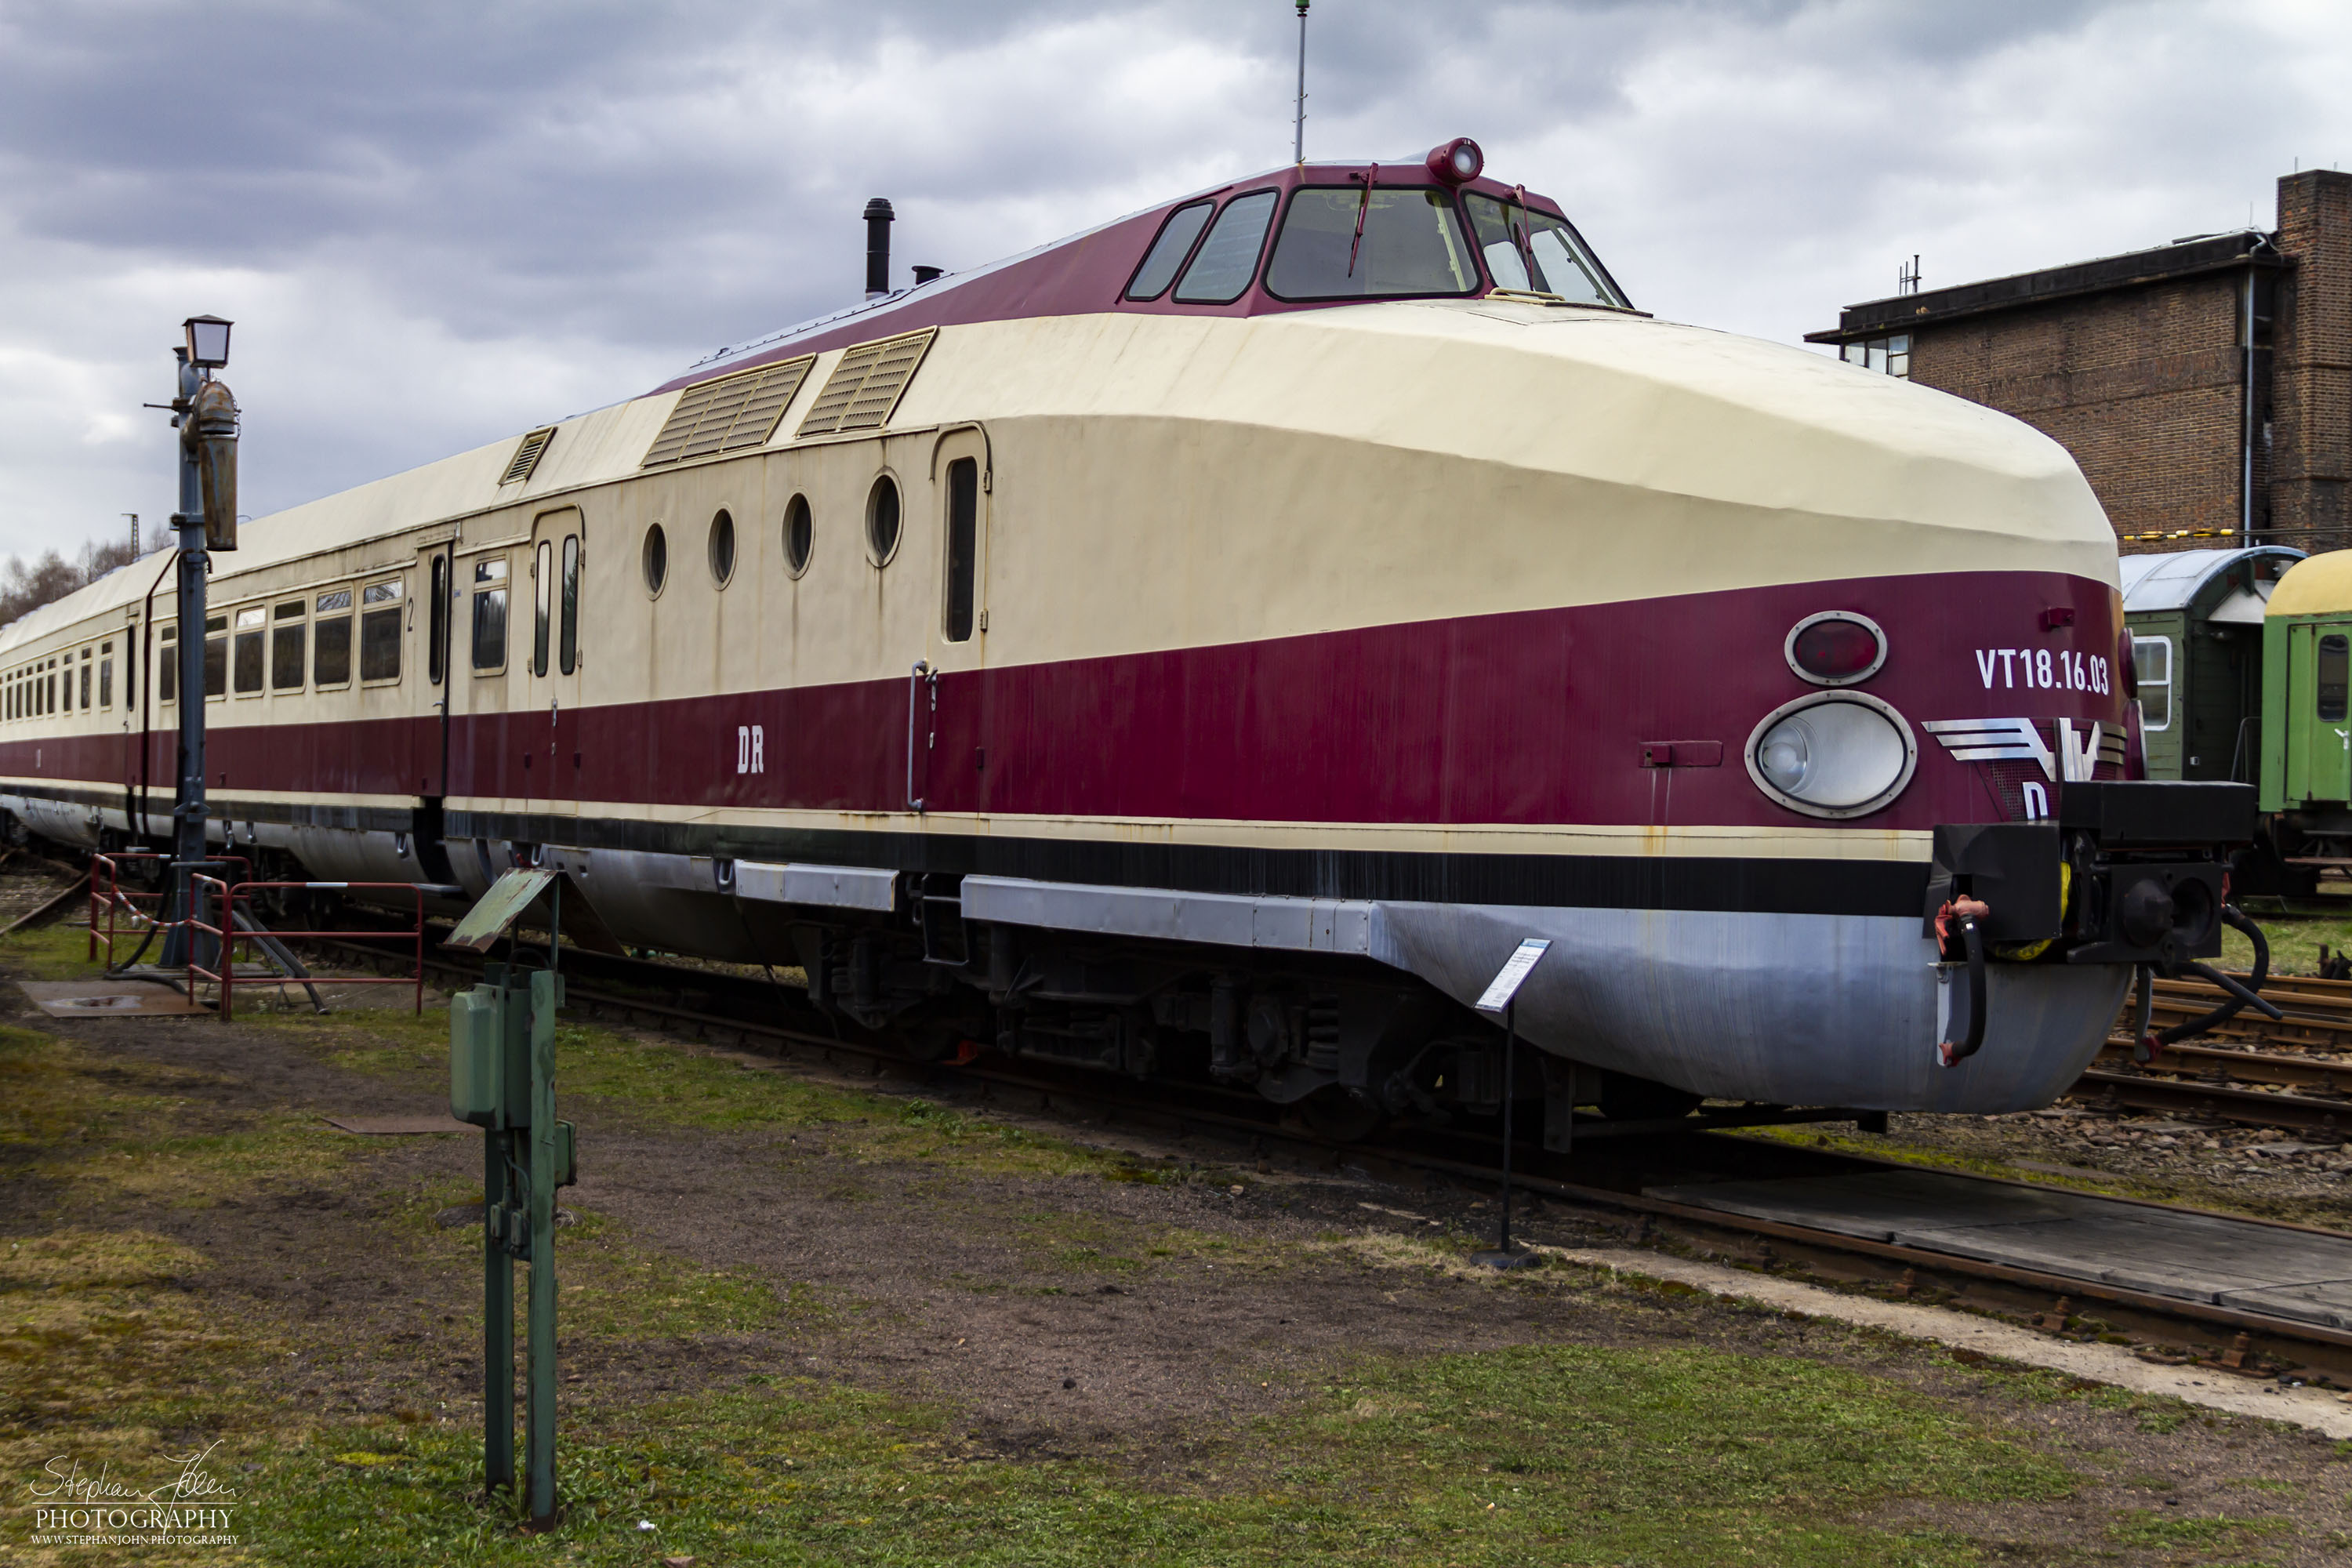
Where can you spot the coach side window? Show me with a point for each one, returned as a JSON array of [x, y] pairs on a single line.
[[331, 639], [245, 659], [489, 614], [380, 612], [167, 664], [288, 636], [215, 656], [87, 655], [436, 629], [106, 675]]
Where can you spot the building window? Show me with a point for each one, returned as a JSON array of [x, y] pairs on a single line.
[[1891, 355]]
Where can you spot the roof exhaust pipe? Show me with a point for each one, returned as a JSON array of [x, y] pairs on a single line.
[[878, 248]]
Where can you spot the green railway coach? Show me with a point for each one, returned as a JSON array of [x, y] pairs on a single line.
[[2307, 777], [2196, 618]]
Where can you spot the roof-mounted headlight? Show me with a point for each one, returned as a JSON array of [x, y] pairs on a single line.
[[1834, 754], [1458, 161]]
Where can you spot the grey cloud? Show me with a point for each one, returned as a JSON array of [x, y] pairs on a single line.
[[512, 212]]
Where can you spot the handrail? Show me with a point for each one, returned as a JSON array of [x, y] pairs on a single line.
[[107, 894], [231, 933], [921, 673]]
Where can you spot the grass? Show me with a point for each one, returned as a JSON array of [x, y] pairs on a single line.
[[2295, 940], [1560, 1454], [1553, 1454]]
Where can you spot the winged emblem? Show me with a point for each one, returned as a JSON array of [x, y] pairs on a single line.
[[2069, 754]]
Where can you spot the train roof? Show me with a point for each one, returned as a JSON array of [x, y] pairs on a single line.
[[2171, 581], [2321, 585], [1089, 271]]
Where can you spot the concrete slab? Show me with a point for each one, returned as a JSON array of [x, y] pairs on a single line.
[[108, 998], [2189, 1256], [2327, 1302]]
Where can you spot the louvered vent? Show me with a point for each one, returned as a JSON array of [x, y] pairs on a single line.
[[527, 456], [729, 413], [865, 384]]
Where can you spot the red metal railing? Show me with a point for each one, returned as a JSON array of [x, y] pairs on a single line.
[[121, 905], [227, 935]]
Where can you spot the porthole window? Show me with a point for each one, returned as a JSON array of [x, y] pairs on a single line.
[[882, 520], [722, 548], [656, 559], [800, 535]]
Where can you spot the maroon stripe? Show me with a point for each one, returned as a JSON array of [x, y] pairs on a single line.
[[1532, 718]]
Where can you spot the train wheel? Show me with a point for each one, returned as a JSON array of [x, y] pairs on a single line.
[[1342, 1115]]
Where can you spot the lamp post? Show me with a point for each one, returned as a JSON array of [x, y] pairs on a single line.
[[205, 416]]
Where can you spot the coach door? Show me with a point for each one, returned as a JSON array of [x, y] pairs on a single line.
[[550, 651], [948, 743]]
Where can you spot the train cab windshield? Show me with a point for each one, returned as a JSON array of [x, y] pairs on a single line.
[[1528, 249], [1337, 245]]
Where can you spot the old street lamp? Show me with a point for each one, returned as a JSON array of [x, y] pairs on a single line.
[[207, 341]]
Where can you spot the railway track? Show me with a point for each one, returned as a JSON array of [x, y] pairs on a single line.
[[2294, 1073], [1641, 1188]]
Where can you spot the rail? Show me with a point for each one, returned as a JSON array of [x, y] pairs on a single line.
[[231, 931]]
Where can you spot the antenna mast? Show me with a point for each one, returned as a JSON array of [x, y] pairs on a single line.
[[1298, 132]]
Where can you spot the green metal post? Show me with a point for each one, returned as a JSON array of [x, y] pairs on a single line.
[[497, 1318], [545, 996]]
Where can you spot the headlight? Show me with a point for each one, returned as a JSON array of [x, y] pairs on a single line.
[[1837, 754]]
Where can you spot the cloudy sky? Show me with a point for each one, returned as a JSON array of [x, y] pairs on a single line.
[[439, 224]]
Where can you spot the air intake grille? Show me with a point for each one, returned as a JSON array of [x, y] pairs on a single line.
[[729, 413], [527, 456], [865, 384]]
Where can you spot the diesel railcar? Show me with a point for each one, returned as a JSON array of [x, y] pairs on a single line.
[[1208, 645]]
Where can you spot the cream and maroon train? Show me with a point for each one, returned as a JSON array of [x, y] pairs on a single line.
[[1208, 645]]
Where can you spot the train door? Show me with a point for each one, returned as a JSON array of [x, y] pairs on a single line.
[[436, 575], [2319, 712], [949, 726], [552, 657]]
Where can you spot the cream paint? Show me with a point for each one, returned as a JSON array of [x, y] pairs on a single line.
[[1159, 481], [1743, 843]]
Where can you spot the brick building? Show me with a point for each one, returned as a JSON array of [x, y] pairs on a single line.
[[2205, 386]]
